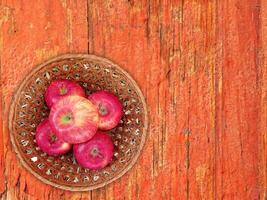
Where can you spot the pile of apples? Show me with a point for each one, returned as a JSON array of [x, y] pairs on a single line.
[[78, 122]]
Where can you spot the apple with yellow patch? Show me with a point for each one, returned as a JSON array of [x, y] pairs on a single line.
[[74, 119]]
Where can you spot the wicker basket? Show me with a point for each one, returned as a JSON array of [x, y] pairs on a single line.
[[92, 73]]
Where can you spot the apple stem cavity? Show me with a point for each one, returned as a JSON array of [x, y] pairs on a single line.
[[65, 119], [102, 110], [63, 91], [96, 153], [52, 138]]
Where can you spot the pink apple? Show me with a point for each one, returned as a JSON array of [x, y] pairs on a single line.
[[109, 109], [74, 119], [48, 141], [95, 153], [61, 88]]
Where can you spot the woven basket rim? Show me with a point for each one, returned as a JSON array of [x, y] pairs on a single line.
[[16, 96]]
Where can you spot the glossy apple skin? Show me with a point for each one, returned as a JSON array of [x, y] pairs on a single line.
[[74, 119], [96, 153], [48, 142], [61, 88], [109, 109]]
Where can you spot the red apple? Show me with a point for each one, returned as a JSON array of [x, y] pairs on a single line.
[[61, 88], [48, 141], [109, 109], [74, 119], [95, 153]]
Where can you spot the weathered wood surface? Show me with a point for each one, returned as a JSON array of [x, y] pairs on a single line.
[[202, 67]]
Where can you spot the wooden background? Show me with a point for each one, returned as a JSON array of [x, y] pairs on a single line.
[[202, 67]]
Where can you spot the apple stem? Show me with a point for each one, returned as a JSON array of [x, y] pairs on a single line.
[[66, 118], [63, 91], [102, 109], [96, 153], [53, 138]]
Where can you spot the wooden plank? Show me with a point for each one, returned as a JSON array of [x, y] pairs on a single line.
[[31, 33], [166, 45], [237, 100], [142, 37], [2, 159], [199, 53], [3, 19], [263, 102], [196, 63], [115, 32]]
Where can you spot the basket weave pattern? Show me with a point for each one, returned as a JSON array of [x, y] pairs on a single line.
[[93, 73]]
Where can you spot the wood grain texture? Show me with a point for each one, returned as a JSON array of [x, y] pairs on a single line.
[[31, 33], [262, 61], [201, 65], [238, 101]]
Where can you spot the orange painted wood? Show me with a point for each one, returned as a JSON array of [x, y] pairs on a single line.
[[32, 32], [263, 102], [202, 68], [237, 124]]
